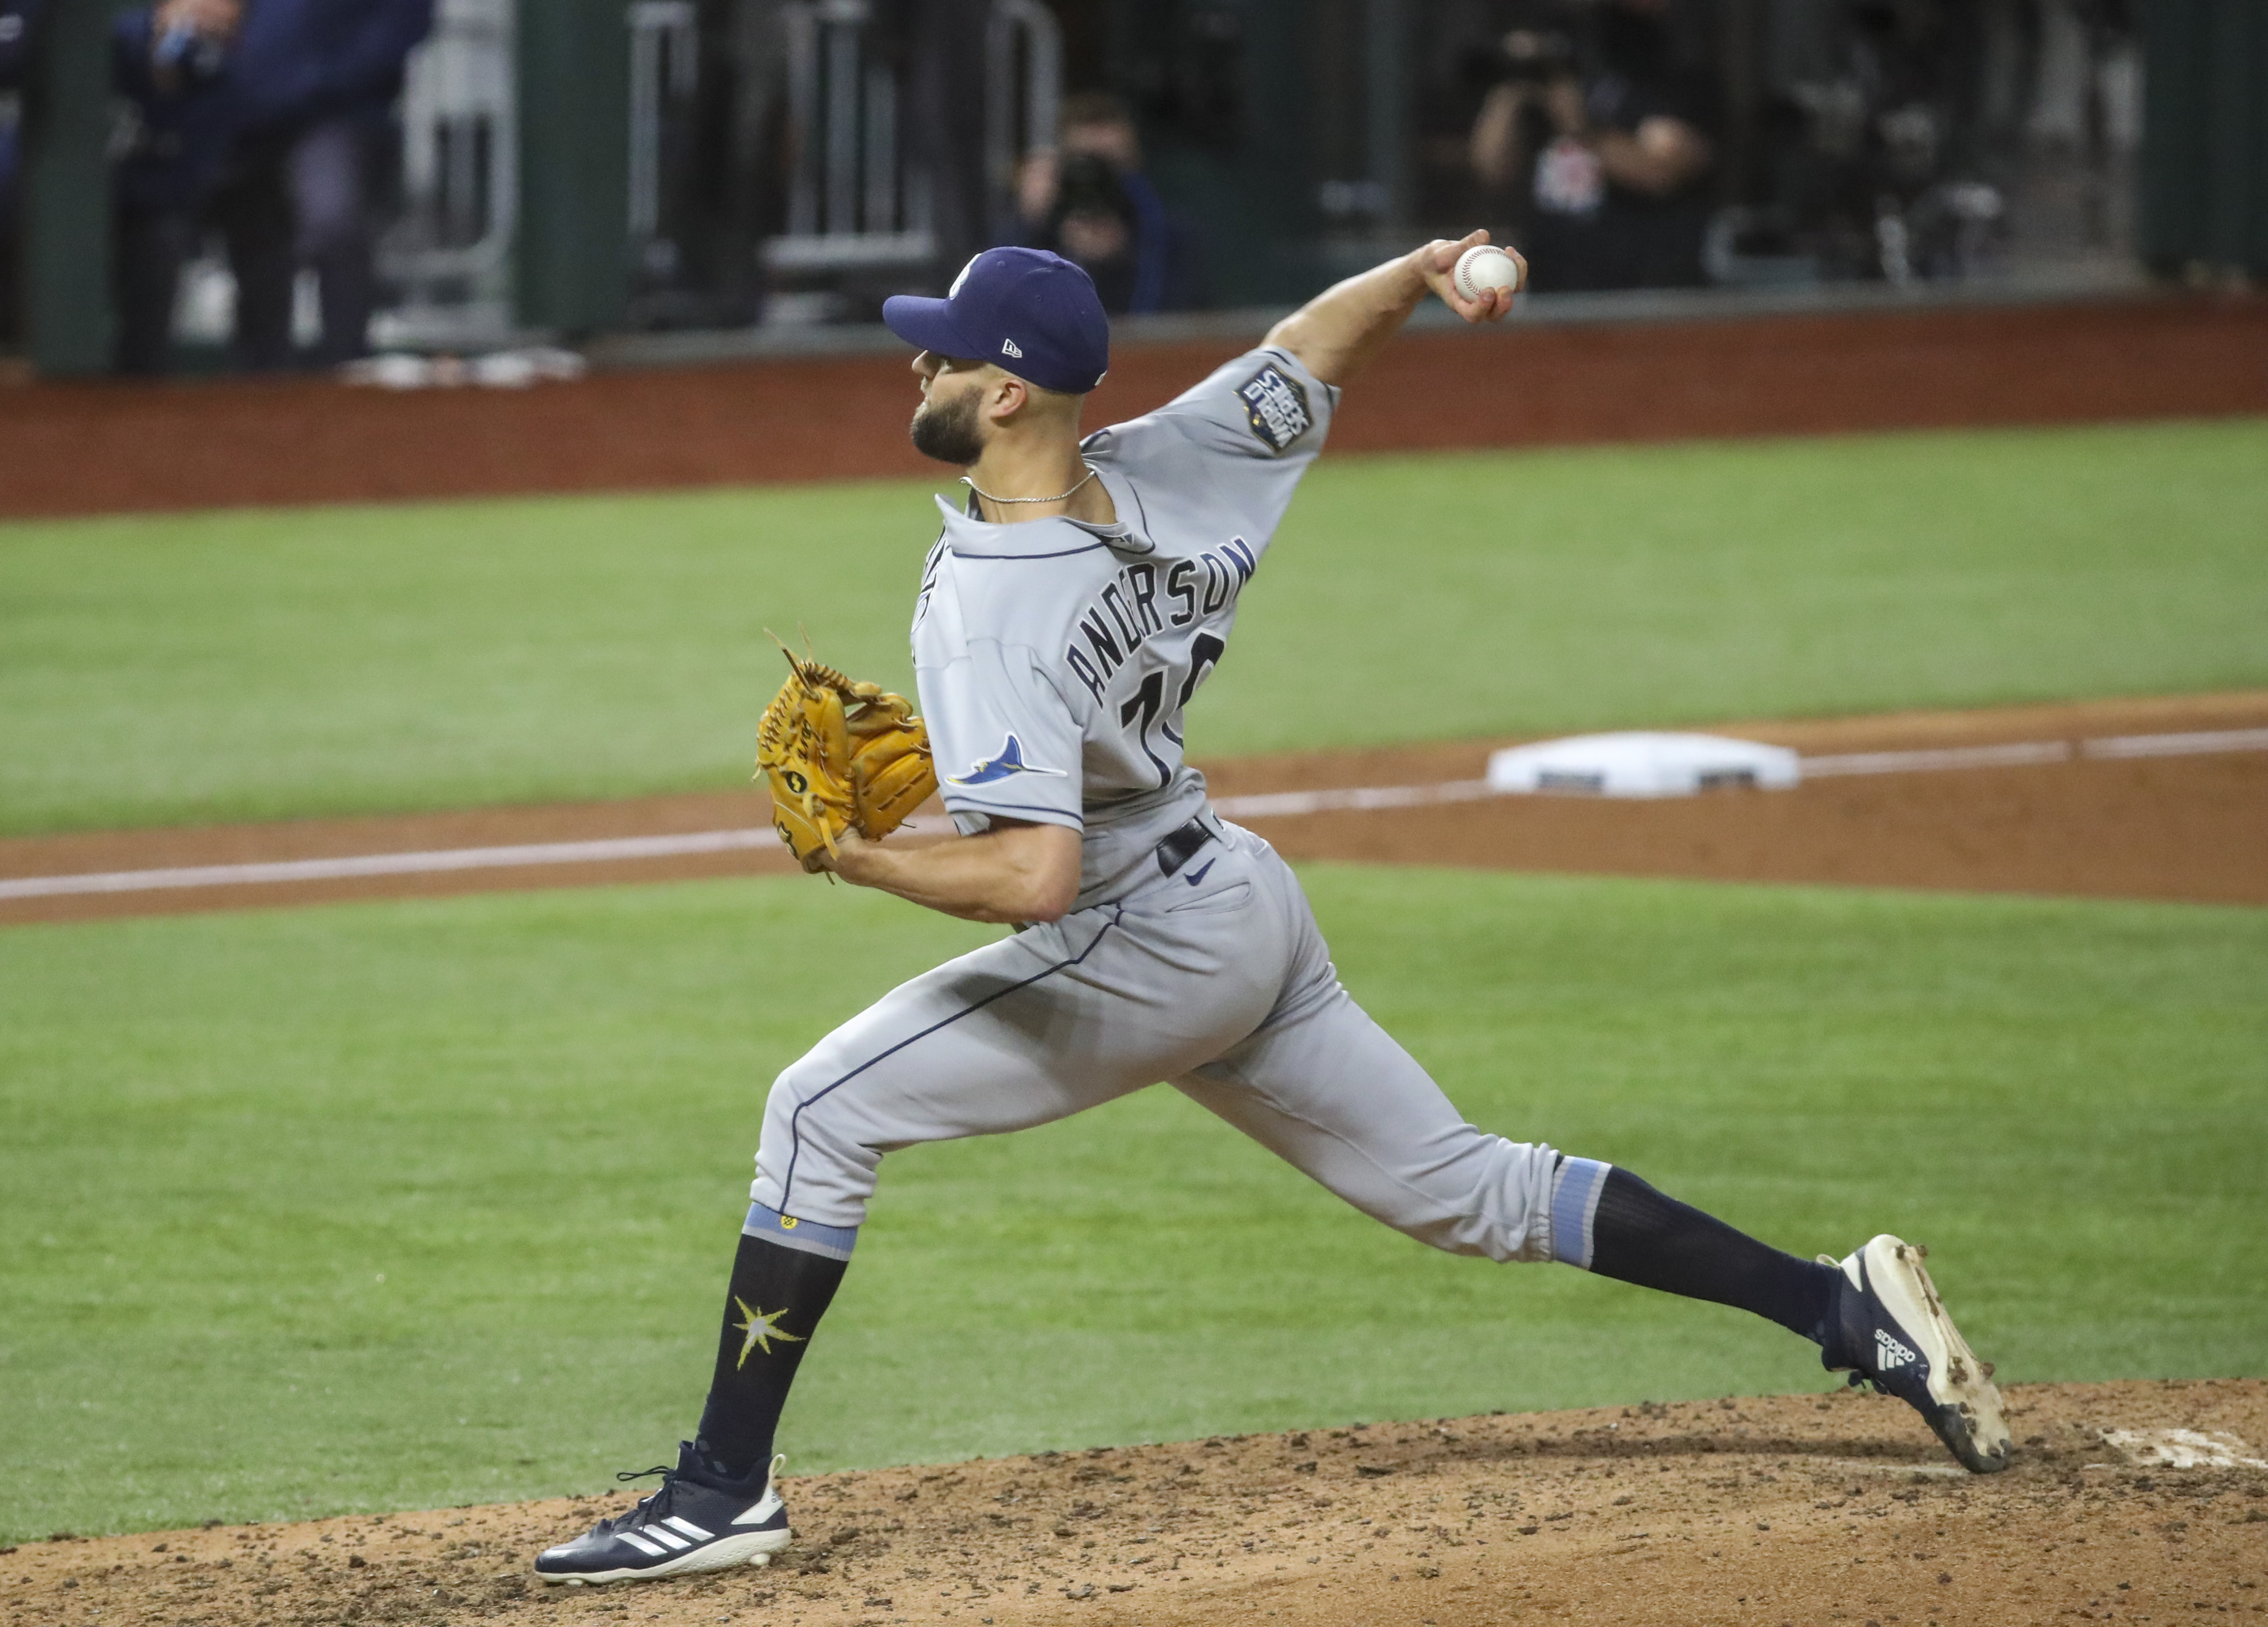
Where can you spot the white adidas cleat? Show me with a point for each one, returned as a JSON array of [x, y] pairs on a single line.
[[695, 1522], [1891, 1330]]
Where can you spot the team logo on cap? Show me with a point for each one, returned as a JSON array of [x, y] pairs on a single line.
[[1007, 760], [953, 292]]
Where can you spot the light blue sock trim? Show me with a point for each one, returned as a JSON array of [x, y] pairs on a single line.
[[835, 1243], [1575, 1187]]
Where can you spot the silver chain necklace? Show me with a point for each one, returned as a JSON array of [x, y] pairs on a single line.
[[1091, 473]]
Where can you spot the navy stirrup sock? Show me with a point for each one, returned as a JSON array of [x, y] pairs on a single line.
[[1608, 1221], [785, 1275]]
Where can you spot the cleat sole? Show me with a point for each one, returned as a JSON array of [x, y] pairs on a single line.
[[752, 1548]]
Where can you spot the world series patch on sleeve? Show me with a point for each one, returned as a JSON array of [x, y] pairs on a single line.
[[1277, 407], [839, 753]]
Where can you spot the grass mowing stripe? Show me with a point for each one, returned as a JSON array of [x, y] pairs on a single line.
[[428, 1203], [252, 665], [1678, 585], [268, 664]]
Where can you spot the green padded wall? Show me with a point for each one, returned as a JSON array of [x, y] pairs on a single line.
[[571, 250], [2204, 144], [66, 198]]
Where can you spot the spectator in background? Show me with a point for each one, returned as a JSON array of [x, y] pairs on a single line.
[[1609, 135], [1089, 201], [20, 23], [20, 26], [267, 119], [166, 64]]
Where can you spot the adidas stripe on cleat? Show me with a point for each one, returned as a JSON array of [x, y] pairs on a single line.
[[696, 1522], [1889, 1329]]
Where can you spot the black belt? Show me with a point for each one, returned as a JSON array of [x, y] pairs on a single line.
[[1180, 847]]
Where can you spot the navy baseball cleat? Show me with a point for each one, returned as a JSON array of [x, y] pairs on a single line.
[[696, 1522], [1889, 1329]]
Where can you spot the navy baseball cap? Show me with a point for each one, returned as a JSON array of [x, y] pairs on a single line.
[[1029, 312]]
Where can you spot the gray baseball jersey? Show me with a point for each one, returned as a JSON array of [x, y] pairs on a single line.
[[1054, 660]]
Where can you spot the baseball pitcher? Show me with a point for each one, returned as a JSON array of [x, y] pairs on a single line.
[[1067, 616]]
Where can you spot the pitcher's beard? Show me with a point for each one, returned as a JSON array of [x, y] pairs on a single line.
[[948, 433]]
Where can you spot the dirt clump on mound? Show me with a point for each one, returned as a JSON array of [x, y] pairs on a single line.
[[1796, 1509]]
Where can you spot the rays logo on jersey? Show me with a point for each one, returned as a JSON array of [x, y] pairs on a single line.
[[1276, 406], [1007, 760]]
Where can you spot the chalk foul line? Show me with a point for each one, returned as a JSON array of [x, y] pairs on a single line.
[[2199, 743], [604, 850], [1270, 805]]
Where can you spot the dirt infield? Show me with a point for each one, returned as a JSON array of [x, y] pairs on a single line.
[[2180, 827], [1788, 1510], [98, 448], [2191, 827]]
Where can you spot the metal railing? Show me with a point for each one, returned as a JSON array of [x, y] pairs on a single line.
[[665, 69], [451, 252], [851, 203], [858, 193], [858, 198], [1019, 34]]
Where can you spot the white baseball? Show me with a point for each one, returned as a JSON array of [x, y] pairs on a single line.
[[1482, 268]]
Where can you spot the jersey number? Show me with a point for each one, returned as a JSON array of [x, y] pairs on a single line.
[[1142, 708]]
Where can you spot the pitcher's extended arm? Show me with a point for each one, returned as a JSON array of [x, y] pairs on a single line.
[[1336, 334]]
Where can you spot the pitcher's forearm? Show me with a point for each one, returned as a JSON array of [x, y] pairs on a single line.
[[942, 878], [1336, 334], [1015, 875]]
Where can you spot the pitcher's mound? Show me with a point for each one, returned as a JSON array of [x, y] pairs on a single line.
[[2129, 1501]]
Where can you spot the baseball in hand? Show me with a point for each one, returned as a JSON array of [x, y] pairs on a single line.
[[1482, 268]]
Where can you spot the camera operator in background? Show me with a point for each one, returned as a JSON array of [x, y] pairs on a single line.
[[1089, 201], [1597, 125], [269, 121]]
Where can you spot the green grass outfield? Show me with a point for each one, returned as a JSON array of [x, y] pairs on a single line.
[[405, 1205], [256, 665]]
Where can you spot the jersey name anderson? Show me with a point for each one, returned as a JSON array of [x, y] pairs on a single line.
[[1126, 612]]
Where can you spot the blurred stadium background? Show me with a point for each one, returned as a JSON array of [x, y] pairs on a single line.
[[1950, 430], [746, 175]]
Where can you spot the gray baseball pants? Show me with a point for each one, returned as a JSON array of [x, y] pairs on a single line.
[[1215, 979]]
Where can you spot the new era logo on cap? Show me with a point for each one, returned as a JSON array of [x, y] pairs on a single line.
[[1008, 348], [1889, 1353]]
